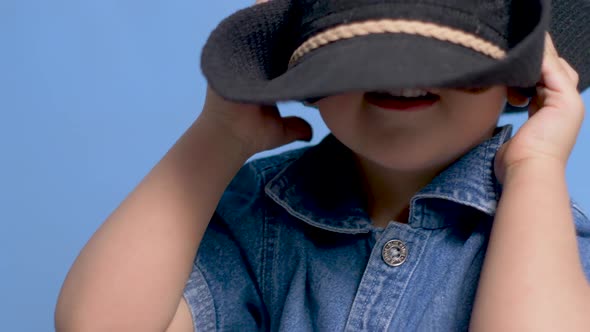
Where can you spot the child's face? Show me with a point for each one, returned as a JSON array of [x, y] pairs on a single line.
[[421, 140]]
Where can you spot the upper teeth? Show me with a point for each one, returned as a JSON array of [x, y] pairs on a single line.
[[407, 92]]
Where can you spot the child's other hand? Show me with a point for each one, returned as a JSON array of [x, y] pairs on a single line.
[[555, 117], [255, 128]]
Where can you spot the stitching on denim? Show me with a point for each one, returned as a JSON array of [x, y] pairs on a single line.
[[275, 261], [490, 192], [304, 218], [425, 241], [358, 317], [265, 249], [451, 199]]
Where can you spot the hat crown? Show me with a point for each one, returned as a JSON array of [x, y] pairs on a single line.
[[489, 19], [483, 8]]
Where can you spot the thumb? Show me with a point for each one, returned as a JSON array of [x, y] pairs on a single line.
[[296, 129]]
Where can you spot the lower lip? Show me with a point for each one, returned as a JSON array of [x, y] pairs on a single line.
[[400, 105]]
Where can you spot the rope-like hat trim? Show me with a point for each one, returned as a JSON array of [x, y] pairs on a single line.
[[420, 28]]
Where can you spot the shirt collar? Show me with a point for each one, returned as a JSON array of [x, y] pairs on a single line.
[[322, 189]]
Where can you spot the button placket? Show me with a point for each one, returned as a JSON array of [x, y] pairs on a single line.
[[394, 258]]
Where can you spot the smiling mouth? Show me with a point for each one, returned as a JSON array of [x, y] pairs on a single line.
[[403, 100]]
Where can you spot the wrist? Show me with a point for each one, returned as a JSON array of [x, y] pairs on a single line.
[[535, 170], [222, 138]]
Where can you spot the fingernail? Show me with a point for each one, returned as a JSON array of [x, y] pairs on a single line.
[[524, 104]]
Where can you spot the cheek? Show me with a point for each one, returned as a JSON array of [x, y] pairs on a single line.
[[342, 101], [473, 120], [339, 110], [488, 104], [472, 115]]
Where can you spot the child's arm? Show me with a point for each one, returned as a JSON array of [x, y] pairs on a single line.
[[131, 274], [532, 278]]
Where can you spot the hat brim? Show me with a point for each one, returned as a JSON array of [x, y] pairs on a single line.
[[250, 65]]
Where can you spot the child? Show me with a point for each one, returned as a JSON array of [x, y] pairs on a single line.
[[415, 214]]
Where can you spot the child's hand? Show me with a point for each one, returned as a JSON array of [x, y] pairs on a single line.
[[255, 128], [555, 118]]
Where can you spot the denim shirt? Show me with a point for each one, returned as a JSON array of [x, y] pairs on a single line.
[[292, 248]]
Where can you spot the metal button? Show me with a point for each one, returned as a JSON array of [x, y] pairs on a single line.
[[394, 253]]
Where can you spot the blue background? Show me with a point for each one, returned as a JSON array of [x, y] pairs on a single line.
[[92, 95]]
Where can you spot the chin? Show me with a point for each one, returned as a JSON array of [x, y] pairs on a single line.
[[416, 163], [411, 159]]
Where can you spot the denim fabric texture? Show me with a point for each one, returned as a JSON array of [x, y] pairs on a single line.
[[291, 248]]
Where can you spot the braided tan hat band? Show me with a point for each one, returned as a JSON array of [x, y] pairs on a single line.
[[420, 28]]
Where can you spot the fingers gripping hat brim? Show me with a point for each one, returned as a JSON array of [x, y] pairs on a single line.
[[248, 49], [249, 57]]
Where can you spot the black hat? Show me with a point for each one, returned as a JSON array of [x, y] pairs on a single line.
[[300, 50]]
